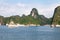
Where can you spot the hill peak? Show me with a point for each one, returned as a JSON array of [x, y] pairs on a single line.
[[34, 13]]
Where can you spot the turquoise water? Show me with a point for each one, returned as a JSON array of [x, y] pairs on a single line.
[[29, 33]]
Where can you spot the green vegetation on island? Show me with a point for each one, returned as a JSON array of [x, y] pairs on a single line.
[[56, 16], [32, 18]]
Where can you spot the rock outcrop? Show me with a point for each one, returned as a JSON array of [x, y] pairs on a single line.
[[34, 13], [56, 16]]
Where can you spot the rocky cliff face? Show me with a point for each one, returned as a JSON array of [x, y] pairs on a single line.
[[56, 16], [34, 13], [1, 20]]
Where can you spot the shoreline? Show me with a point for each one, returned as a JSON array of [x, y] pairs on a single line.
[[22, 25]]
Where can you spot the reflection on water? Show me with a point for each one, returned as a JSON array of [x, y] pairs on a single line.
[[29, 33]]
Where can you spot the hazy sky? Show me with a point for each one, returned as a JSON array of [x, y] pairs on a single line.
[[19, 7]]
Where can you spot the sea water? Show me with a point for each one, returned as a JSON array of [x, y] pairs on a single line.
[[29, 33]]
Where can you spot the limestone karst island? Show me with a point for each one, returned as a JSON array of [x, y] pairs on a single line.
[[33, 19]]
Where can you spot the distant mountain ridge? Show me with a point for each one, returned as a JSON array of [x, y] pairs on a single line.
[[32, 18]]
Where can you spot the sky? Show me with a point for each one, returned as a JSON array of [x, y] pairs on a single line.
[[20, 7]]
